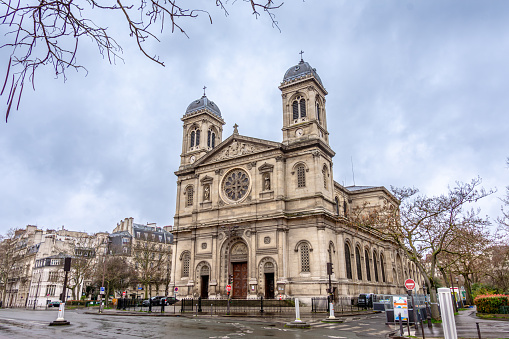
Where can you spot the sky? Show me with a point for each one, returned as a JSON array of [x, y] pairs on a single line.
[[417, 98]]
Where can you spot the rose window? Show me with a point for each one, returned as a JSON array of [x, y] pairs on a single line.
[[236, 184]]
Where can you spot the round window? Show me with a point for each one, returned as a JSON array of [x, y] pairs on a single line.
[[236, 185]]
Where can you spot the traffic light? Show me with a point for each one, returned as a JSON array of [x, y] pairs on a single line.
[[329, 268]]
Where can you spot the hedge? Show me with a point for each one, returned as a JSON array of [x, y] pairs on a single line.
[[491, 303]]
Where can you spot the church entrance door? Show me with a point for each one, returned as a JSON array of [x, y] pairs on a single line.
[[204, 286], [240, 280], [269, 285]]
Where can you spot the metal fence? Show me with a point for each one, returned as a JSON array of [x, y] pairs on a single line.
[[341, 305], [213, 306]]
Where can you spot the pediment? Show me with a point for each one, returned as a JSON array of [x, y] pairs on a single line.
[[237, 146]]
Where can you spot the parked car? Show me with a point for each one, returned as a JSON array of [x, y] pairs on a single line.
[[365, 300], [156, 301], [169, 300], [54, 304]]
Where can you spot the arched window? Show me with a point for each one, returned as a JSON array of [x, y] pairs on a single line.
[[195, 138], [348, 262], [359, 264], [186, 258], [345, 208], [211, 139], [304, 257], [368, 269], [299, 108], [325, 174], [190, 194], [318, 113], [301, 176], [375, 265], [382, 267], [337, 205]]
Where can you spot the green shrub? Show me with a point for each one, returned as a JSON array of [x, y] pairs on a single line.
[[77, 302], [491, 303]]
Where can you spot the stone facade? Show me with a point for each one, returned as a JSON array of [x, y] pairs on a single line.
[[267, 216]]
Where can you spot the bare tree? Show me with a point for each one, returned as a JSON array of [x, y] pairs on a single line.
[[152, 263], [427, 227], [44, 33], [9, 258]]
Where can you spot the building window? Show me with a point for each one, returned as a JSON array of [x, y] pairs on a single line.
[[368, 270], [53, 277], [189, 193], [55, 262], [375, 266], [337, 205], [304, 258], [186, 258], [348, 262], [299, 108], [211, 139], [359, 264], [195, 138], [345, 209], [318, 112], [301, 176], [382, 267], [50, 290], [325, 175]]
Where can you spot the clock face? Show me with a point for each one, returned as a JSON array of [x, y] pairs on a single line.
[[299, 132], [192, 159]]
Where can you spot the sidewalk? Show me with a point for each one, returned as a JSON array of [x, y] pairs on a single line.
[[466, 328]]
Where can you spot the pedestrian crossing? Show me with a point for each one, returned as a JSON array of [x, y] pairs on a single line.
[[351, 326]]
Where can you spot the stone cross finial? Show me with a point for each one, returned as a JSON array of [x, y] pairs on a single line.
[[235, 130], [204, 88], [301, 52]]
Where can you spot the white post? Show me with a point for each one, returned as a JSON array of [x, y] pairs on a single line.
[[297, 311], [61, 312], [447, 313], [331, 308]]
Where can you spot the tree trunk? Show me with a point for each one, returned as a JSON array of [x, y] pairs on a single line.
[[468, 288], [435, 314]]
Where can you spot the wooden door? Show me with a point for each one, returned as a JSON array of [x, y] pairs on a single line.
[[269, 285], [239, 280], [204, 286]]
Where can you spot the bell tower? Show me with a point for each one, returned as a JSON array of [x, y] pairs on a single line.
[[304, 115], [203, 130]]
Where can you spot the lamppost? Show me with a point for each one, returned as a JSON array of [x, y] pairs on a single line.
[[459, 293], [455, 304], [108, 242]]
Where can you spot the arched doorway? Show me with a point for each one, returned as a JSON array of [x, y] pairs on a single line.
[[268, 271], [238, 260], [204, 277]]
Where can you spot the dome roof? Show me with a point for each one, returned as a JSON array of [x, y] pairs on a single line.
[[299, 70], [201, 103]]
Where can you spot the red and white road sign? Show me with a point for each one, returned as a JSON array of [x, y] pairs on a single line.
[[409, 284], [176, 289], [228, 288], [123, 293]]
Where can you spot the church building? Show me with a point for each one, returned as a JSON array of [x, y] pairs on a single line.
[[266, 217]]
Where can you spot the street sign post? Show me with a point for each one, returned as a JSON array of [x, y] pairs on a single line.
[[228, 289], [102, 290], [409, 284]]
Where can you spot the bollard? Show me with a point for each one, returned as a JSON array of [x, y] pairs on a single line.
[[478, 330], [211, 310], [261, 304], [331, 308], [447, 312], [297, 311], [422, 330], [196, 314], [150, 305], [408, 324], [199, 304], [400, 326]]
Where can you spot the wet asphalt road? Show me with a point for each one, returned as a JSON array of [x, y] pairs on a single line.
[[19, 323]]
